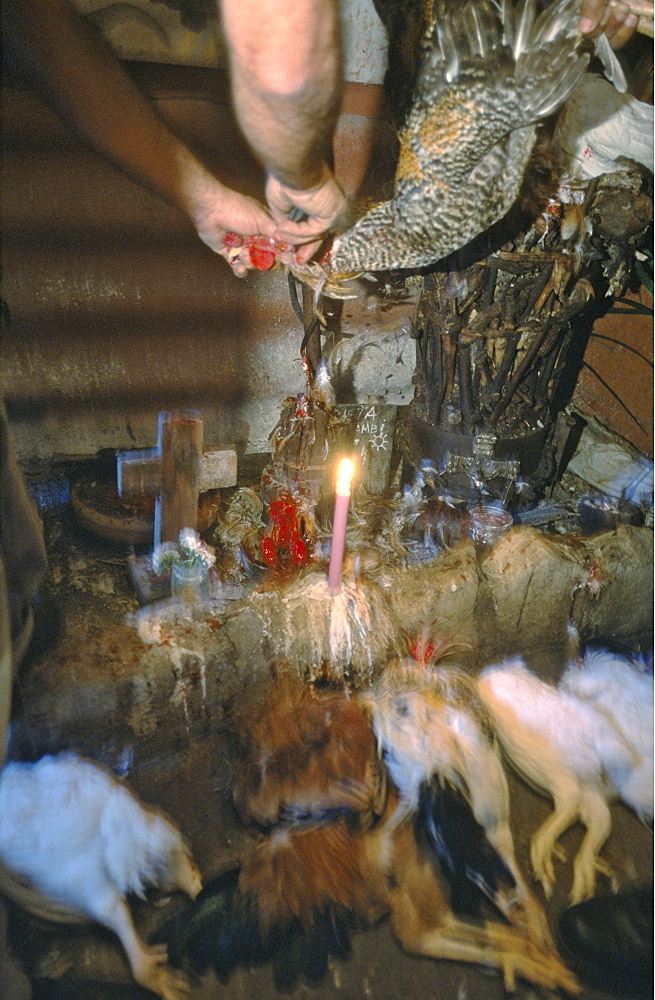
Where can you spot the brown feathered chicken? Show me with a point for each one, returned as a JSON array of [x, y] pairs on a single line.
[[487, 73], [333, 851], [475, 79], [75, 841]]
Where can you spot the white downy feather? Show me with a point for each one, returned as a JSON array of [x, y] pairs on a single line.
[[568, 749], [599, 126], [74, 841], [623, 691]]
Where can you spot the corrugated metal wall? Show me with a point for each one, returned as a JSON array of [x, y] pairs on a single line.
[[117, 308]]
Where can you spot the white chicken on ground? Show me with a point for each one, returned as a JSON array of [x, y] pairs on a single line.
[[622, 690], [429, 722], [75, 841], [573, 747]]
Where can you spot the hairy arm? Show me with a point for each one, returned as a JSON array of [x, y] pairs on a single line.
[[85, 83], [286, 82], [286, 79]]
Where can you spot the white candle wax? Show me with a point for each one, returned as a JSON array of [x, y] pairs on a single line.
[[341, 504]]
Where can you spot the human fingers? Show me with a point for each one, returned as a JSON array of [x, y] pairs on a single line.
[[232, 213], [321, 205], [305, 252], [594, 15], [239, 265], [300, 233], [621, 27], [615, 18]]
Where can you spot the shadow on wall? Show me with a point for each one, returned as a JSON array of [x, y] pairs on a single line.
[[118, 309]]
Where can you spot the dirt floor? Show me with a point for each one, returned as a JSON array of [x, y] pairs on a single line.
[[89, 596]]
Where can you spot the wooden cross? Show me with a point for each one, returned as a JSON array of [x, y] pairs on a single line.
[[176, 471]]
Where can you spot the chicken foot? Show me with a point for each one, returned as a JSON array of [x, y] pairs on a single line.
[[489, 791], [572, 804], [595, 814], [488, 945], [148, 963], [425, 925]]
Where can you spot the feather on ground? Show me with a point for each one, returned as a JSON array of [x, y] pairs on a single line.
[[575, 743], [74, 842], [333, 852]]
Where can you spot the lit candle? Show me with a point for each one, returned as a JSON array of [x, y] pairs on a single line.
[[341, 503]]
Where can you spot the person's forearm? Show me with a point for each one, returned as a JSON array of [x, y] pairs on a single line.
[[286, 80], [91, 91]]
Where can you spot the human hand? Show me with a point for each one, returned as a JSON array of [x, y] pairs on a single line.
[[322, 204], [231, 212], [613, 17]]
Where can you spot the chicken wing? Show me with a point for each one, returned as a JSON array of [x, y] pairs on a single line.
[[334, 851]]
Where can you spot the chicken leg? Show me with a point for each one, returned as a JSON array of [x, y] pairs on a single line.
[[149, 963], [593, 812], [425, 925]]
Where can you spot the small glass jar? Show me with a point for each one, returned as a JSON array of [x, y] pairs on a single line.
[[190, 581], [488, 523]]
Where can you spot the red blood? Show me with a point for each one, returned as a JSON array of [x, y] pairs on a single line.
[[269, 551], [299, 552], [261, 249], [283, 531], [422, 651], [263, 260], [262, 252], [282, 507]]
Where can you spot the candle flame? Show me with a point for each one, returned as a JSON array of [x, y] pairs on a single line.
[[345, 472]]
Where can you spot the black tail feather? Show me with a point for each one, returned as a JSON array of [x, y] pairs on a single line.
[[220, 930], [466, 857], [305, 952], [212, 931]]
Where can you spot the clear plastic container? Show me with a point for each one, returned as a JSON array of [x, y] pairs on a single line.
[[191, 582], [488, 523]]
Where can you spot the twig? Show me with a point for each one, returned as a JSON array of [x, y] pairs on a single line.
[[542, 338], [538, 286], [465, 385]]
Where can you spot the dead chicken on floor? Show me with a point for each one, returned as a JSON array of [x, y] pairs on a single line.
[[583, 743], [431, 725], [308, 774], [75, 841]]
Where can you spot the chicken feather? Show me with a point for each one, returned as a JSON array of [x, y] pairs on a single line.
[[334, 854], [430, 721], [303, 757], [575, 746], [465, 854], [487, 75], [621, 689], [74, 842]]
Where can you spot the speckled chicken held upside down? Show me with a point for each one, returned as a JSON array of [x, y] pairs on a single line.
[[309, 776], [472, 81], [488, 73]]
